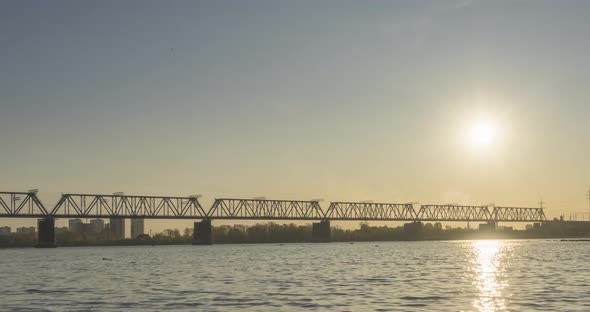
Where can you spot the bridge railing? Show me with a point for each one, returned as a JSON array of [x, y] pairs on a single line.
[[265, 209]]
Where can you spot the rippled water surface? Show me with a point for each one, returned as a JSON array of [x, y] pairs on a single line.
[[397, 276]]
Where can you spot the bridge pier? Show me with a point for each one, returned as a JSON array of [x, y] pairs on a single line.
[[414, 230], [203, 233], [46, 233], [320, 232]]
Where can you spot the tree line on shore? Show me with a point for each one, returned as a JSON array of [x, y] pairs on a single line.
[[283, 233]]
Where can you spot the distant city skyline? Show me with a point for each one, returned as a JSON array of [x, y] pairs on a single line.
[[466, 102]]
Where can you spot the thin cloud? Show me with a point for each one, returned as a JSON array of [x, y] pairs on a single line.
[[462, 3]]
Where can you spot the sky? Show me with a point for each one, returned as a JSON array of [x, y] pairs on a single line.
[[340, 100]]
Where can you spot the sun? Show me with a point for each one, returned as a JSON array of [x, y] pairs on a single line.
[[482, 133]]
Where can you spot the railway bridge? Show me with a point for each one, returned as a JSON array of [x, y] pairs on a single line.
[[121, 206]]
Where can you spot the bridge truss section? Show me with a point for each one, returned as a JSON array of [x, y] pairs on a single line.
[[355, 211], [453, 213], [21, 204], [517, 214], [265, 209], [128, 206]]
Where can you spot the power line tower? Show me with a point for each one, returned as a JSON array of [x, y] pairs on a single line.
[[541, 204]]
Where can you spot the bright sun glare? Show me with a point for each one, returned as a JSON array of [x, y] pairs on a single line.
[[482, 134]]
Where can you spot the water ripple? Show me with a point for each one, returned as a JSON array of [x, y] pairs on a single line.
[[407, 276]]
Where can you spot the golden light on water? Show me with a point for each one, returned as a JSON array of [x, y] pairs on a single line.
[[488, 262]]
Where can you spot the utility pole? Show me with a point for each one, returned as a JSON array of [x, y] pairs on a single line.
[[589, 204]]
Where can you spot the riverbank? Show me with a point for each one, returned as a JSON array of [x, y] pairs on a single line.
[[272, 233]]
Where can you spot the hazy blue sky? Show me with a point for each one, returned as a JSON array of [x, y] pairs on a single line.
[[342, 100]]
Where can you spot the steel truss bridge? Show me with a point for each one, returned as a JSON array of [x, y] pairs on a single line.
[[28, 205], [265, 209]]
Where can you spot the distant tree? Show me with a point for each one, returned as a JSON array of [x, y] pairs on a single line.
[[188, 233]]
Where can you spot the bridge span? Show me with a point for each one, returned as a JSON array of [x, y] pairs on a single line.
[[121, 206]]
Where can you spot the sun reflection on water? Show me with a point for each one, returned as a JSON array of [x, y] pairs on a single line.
[[488, 262]]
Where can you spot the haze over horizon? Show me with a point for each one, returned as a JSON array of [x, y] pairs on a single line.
[[431, 101]]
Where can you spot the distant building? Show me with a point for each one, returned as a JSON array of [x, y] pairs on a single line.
[[24, 229], [86, 228], [117, 228], [137, 228], [75, 225], [59, 230], [94, 227], [97, 225], [5, 230], [487, 227]]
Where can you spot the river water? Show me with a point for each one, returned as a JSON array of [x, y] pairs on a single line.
[[384, 276]]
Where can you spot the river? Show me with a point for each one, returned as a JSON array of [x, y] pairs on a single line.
[[493, 275]]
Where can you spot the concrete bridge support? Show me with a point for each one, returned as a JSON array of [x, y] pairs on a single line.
[[414, 230], [203, 233], [320, 232], [46, 233]]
